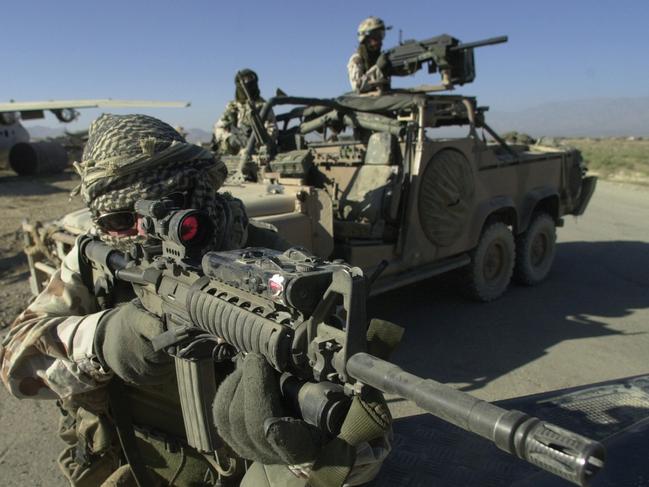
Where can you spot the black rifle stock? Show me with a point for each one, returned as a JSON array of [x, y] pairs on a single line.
[[307, 318]]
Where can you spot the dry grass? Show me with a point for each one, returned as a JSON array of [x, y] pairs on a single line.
[[615, 159]]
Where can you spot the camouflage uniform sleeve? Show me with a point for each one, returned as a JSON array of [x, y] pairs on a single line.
[[360, 79], [355, 71], [48, 352], [228, 121]]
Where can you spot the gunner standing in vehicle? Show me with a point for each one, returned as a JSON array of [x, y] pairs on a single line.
[[366, 64]]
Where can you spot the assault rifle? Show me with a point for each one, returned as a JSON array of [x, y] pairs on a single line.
[[307, 317], [258, 130], [446, 54], [259, 137]]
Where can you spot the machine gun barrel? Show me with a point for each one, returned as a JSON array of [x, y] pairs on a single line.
[[484, 42], [557, 450], [443, 53]]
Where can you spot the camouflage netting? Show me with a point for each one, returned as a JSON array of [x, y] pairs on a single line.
[[129, 157], [445, 197]]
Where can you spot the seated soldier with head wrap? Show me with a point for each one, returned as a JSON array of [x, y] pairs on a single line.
[[232, 130], [93, 353]]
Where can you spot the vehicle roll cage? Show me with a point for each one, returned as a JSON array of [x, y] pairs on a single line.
[[382, 113]]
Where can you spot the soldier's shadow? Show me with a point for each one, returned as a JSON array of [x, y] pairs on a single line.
[[451, 339], [9, 264]]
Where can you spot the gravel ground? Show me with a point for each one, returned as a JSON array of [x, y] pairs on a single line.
[[42, 199]]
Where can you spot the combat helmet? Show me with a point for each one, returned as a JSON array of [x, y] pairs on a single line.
[[371, 25]]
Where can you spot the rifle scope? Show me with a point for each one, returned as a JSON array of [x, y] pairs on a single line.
[[164, 220]]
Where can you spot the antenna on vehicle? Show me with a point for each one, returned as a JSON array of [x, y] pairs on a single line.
[[400, 37]]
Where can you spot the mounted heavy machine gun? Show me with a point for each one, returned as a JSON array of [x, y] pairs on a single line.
[[453, 59], [307, 317]]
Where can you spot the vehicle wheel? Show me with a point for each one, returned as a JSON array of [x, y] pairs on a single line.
[[535, 249], [492, 263]]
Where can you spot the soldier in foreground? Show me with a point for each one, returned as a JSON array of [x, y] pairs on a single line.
[[93, 353], [232, 130], [365, 65]]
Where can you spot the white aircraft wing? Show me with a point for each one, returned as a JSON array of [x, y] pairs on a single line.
[[71, 104]]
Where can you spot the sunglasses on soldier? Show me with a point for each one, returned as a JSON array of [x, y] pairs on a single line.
[[125, 220], [117, 221]]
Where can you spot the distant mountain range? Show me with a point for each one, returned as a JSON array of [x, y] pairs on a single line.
[[198, 136], [598, 117]]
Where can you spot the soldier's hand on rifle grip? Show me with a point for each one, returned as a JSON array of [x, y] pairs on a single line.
[[232, 145], [250, 417], [122, 344]]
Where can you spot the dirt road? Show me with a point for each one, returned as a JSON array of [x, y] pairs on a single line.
[[43, 198], [587, 323]]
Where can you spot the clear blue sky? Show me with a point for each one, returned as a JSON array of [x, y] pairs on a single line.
[[190, 50]]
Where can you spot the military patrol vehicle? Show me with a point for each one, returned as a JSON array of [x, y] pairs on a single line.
[[366, 178]]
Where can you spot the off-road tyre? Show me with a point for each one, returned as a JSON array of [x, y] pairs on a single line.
[[535, 250], [492, 263]]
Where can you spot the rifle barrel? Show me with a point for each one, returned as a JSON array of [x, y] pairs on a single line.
[[559, 451], [484, 42]]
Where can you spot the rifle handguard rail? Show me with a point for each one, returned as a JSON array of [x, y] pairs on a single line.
[[240, 327]]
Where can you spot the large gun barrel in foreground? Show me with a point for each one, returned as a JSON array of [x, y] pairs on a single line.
[[557, 450], [307, 318]]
